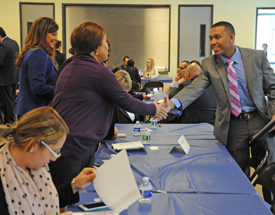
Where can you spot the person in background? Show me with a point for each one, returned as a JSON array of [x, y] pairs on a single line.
[[180, 76], [9, 75], [59, 57], [123, 66], [203, 109], [26, 186], [85, 96], [264, 46], [37, 66], [150, 71], [133, 72], [195, 61], [121, 115]]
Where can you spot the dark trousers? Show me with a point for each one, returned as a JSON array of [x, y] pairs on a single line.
[[240, 132], [7, 99]]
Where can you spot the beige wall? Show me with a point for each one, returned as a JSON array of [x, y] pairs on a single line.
[[241, 13]]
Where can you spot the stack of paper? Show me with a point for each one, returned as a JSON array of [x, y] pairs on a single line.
[[128, 145]]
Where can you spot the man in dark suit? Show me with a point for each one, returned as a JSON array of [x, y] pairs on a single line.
[[9, 75], [254, 77], [203, 109], [59, 57], [123, 66]]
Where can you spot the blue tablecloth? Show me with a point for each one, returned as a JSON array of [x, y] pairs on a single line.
[[164, 80], [205, 181]]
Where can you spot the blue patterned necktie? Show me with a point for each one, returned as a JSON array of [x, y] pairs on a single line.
[[233, 87]]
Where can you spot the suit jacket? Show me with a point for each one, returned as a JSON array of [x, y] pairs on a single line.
[[203, 109], [260, 77], [37, 80], [8, 54], [121, 116], [59, 57]]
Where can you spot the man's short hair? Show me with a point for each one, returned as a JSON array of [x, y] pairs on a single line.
[[227, 25], [2, 32], [57, 44], [126, 57]]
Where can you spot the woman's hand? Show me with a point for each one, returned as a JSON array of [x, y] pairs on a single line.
[[145, 96], [115, 133], [84, 178]]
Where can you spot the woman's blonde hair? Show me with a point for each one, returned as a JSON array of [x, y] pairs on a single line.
[[36, 38], [124, 79], [152, 63], [39, 124]]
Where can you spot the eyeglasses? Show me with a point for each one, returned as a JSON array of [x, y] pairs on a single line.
[[181, 68], [55, 154]]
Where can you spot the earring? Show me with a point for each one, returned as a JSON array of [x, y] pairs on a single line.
[[96, 53], [31, 150]]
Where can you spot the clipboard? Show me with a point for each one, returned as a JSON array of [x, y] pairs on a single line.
[[264, 131]]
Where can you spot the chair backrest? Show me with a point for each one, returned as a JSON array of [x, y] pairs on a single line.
[[266, 178], [135, 86], [150, 85], [256, 161]]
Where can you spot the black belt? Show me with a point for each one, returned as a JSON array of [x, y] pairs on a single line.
[[248, 115]]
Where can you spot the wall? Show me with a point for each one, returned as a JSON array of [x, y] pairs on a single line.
[[241, 13]]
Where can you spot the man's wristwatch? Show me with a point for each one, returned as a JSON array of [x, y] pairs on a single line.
[[75, 186]]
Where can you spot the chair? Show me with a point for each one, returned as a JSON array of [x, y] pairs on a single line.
[[266, 178], [257, 162], [135, 86], [150, 85]]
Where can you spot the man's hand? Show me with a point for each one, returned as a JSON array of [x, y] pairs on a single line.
[[162, 109], [177, 77], [167, 89]]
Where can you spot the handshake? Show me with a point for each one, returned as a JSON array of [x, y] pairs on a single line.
[[163, 108]]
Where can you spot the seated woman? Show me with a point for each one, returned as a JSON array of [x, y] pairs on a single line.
[[121, 115], [133, 72], [26, 186], [150, 71]]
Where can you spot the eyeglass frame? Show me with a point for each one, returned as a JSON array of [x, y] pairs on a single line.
[[181, 68], [56, 155]]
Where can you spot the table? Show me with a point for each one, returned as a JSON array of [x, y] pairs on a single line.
[[205, 181], [163, 80]]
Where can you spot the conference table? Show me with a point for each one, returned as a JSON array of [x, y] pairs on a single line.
[[207, 180], [162, 79]]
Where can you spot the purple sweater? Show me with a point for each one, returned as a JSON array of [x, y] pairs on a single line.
[[85, 96]]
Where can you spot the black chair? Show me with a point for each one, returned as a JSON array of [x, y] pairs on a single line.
[[150, 85], [257, 162], [266, 178], [135, 86]]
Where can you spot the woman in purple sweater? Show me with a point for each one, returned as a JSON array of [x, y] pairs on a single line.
[[85, 96]]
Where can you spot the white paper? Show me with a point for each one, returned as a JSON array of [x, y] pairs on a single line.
[[154, 147], [184, 144], [115, 183], [121, 135], [128, 145], [97, 213]]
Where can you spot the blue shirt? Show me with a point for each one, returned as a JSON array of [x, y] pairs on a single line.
[[245, 98]]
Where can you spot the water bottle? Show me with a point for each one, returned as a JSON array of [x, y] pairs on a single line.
[[146, 136], [137, 129], [146, 191], [154, 123]]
